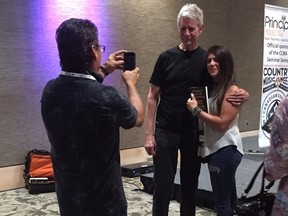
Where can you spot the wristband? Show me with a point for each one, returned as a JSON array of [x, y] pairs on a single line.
[[104, 70], [196, 110]]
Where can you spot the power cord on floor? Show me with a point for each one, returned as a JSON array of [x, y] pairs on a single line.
[[134, 182], [253, 152]]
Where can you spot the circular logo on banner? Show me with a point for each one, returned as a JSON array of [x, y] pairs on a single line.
[[270, 104]]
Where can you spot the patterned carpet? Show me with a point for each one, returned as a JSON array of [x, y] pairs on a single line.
[[20, 203]]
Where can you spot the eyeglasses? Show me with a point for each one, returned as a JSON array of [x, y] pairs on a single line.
[[190, 29], [102, 48]]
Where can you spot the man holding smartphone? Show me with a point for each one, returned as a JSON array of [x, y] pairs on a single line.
[[82, 118], [129, 61], [176, 70]]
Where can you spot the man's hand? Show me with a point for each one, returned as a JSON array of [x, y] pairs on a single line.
[[191, 103], [131, 77], [114, 61], [150, 145], [238, 97]]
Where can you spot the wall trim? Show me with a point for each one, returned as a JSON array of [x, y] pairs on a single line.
[[12, 176], [249, 133]]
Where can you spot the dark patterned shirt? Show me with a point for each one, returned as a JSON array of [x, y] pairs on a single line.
[[82, 118]]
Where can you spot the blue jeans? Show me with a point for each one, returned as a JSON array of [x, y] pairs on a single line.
[[222, 167], [165, 166]]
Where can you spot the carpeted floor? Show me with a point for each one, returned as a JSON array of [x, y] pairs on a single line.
[[20, 203]]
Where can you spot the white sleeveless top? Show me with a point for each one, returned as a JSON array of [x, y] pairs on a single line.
[[215, 139]]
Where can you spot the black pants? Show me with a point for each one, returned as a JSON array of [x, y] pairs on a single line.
[[165, 165]]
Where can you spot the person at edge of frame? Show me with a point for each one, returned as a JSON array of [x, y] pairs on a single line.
[[276, 158]]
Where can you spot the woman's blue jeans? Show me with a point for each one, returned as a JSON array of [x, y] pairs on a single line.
[[222, 167]]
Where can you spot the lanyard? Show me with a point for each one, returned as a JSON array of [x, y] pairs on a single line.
[[72, 74]]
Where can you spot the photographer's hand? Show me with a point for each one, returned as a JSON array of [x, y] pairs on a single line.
[[114, 61], [130, 79]]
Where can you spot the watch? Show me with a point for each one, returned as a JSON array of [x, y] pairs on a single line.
[[104, 70], [196, 110]]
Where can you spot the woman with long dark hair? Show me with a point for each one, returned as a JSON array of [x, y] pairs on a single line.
[[222, 148]]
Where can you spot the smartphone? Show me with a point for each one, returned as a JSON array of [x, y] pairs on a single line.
[[129, 61]]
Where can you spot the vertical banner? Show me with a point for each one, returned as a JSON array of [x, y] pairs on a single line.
[[275, 67]]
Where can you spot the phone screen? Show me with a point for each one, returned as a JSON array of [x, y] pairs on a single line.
[[129, 61]]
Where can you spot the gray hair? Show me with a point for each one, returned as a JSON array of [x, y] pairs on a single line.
[[191, 11]]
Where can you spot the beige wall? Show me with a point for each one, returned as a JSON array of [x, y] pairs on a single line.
[[28, 56]]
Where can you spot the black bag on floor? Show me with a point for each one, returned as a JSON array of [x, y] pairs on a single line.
[[38, 173], [204, 199], [257, 205]]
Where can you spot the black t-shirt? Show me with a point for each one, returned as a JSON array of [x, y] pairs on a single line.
[[174, 72], [82, 118]]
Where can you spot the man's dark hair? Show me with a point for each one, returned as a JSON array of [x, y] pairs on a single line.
[[75, 38]]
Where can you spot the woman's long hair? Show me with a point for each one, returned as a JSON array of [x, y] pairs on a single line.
[[226, 71]]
